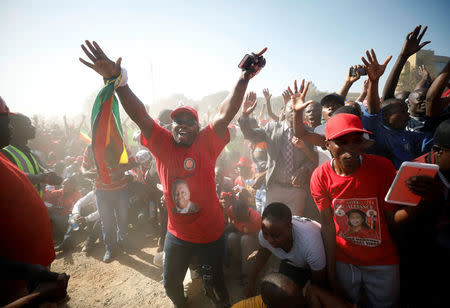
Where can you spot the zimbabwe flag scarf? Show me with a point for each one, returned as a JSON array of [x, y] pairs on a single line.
[[107, 138]]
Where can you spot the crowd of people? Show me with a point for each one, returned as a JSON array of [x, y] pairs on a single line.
[[294, 201]]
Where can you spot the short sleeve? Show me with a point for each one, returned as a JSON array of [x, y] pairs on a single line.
[[214, 143], [371, 121], [262, 241], [318, 189], [159, 141], [315, 256]]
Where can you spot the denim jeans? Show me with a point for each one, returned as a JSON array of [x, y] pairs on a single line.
[[240, 246], [381, 283], [113, 209], [178, 254]]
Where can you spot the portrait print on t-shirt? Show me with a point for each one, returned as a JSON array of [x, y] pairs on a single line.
[[182, 198], [357, 220]]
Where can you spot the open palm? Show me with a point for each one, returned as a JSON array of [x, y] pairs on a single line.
[[100, 62], [298, 96], [249, 103], [373, 68]]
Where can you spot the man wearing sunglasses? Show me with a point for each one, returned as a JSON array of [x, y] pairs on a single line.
[[185, 154]]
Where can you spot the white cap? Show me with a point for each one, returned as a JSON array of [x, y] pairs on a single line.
[[137, 135], [143, 156]]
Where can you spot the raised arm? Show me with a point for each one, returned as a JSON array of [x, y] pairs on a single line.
[[261, 113], [270, 113], [425, 78], [349, 81], [286, 99], [374, 72], [433, 100], [250, 133], [411, 46], [109, 69], [231, 105], [298, 104], [363, 94]]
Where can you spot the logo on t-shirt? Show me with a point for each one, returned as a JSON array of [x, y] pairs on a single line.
[[189, 164], [357, 221], [182, 198]]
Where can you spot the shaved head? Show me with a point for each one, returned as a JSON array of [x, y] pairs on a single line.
[[278, 290]]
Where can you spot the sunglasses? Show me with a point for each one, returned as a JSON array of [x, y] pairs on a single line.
[[188, 121]]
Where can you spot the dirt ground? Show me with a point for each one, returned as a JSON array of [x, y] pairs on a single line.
[[131, 280]]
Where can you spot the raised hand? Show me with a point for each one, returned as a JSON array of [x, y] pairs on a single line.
[[373, 68], [298, 143], [352, 79], [286, 97], [412, 43], [257, 63], [267, 94], [250, 103], [423, 72], [365, 86], [298, 97], [100, 62]]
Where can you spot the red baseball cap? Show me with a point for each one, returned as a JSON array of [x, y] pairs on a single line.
[[185, 109], [343, 124]]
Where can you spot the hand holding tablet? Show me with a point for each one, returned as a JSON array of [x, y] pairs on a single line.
[[399, 192]]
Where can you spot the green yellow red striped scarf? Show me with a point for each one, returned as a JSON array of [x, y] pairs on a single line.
[[107, 138]]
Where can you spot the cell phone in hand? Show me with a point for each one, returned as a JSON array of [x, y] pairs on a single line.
[[361, 71]]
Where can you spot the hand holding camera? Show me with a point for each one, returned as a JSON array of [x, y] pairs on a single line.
[[356, 71], [253, 63]]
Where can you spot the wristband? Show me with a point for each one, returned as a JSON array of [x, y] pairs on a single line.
[[122, 80]]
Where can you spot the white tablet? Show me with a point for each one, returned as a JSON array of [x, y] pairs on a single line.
[[398, 192]]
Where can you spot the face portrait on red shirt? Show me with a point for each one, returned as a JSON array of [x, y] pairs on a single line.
[[182, 198]]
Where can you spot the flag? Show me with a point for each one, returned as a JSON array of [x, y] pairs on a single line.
[[107, 137], [84, 136]]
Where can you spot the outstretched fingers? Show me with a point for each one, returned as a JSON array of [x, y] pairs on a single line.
[[306, 89], [302, 86], [365, 61], [369, 57], [387, 60], [416, 32], [374, 56], [92, 49], [99, 50], [424, 43], [422, 34], [290, 91], [88, 54], [86, 63]]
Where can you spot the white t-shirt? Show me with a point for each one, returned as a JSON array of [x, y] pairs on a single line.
[[307, 250], [324, 154]]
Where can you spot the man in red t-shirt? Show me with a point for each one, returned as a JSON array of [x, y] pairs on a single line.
[[185, 160], [25, 232], [242, 234], [349, 191]]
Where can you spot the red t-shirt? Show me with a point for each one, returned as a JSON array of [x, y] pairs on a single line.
[[187, 174], [25, 231], [58, 198], [357, 201], [253, 224]]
